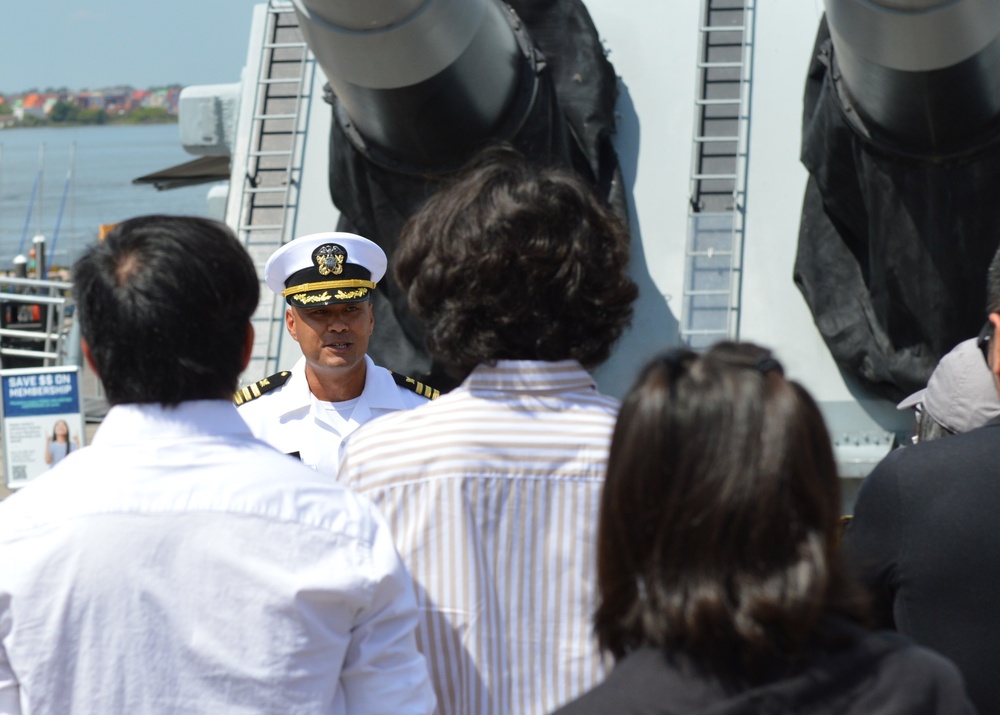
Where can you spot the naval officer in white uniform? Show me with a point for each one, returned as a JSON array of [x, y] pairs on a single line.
[[327, 280]]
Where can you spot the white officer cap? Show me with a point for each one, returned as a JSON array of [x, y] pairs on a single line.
[[324, 268]]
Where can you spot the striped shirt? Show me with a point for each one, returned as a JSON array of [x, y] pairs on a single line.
[[492, 493]]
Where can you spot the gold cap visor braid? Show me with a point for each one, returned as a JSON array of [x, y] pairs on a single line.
[[323, 285]]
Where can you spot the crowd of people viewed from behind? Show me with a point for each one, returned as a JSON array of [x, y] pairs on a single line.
[[349, 541]]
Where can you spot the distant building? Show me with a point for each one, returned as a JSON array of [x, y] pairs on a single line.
[[139, 98], [32, 105], [113, 100], [89, 100], [117, 100]]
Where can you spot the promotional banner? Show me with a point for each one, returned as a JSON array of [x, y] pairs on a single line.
[[42, 420]]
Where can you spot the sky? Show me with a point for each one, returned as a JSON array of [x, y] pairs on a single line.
[[102, 43]]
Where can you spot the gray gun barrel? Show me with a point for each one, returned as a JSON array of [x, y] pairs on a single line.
[[424, 80], [923, 71]]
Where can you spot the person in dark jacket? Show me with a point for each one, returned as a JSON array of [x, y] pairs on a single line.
[[924, 534], [721, 586]]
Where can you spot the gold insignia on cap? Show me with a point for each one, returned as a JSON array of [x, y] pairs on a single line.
[[329, 259], [306, 298], [350, 294]]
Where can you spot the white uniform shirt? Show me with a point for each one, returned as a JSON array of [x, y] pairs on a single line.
[[492, 496], [178, 565], [292, 420]]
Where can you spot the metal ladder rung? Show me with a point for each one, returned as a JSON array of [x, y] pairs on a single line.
[[275, 190], [284, 45], [713, 102], [265, 117], [722, 28], [280, 96], [272, 152], [290, 80], [707, 331], [710, 254], [714, 177], [262, 227], [287, 61], [273, 245], [707, 292], [709, 140], [719, 65], [270, 247]]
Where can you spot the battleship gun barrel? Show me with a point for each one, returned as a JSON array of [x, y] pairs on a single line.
[[922, 71], [419, 86], [425, 81]]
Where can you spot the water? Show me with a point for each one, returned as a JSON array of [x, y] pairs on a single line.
[[108, 158]]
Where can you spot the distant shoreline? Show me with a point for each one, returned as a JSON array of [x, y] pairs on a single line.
[[110, 123]]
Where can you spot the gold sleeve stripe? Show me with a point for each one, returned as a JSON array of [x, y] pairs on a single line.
[[261, 387], [418, 387], [323, 285]]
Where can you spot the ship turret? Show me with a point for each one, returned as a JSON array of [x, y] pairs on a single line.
[[922, 74], [901, 137], [421, 81], [418, 86]]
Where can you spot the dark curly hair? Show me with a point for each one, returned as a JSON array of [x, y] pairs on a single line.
[[519, 262]]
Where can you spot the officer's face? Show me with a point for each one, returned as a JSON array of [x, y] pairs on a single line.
[[332, 337]]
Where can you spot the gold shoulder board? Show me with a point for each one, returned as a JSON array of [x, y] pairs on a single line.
[[261, 387], [418, 387]]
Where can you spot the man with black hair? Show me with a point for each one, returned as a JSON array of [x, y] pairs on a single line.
[[924, 534], [178, 564], [519, 273], [327, 280]]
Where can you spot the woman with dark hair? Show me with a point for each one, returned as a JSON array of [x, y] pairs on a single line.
[[721, 586]]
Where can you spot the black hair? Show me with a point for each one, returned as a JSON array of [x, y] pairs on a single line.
[[164, 304], [720, 517]]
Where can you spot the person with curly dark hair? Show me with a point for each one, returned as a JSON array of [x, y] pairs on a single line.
[[516, 264], [520, 275], [721, 584]]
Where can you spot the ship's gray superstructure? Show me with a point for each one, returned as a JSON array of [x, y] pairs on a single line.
[[706, 142]]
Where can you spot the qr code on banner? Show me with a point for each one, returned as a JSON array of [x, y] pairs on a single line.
[[20, 473]]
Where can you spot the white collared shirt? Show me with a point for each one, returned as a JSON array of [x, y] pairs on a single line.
[[178, 565], [292, 420]]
